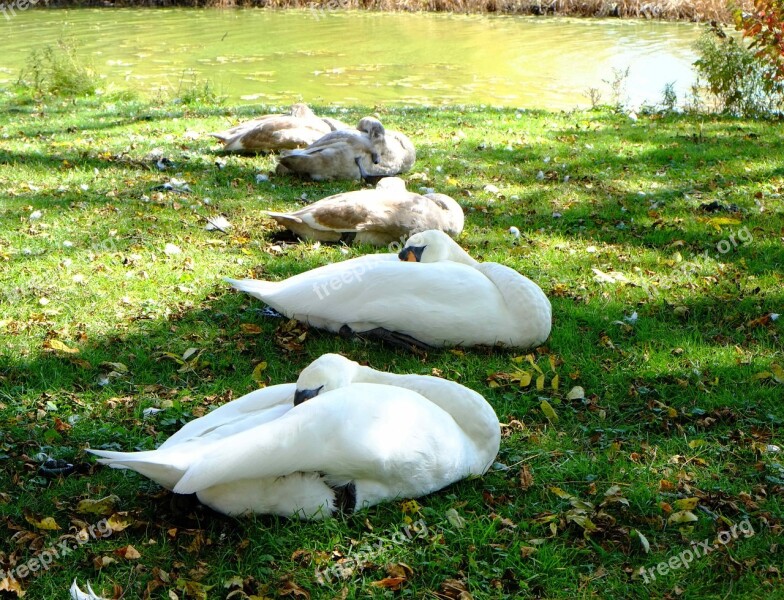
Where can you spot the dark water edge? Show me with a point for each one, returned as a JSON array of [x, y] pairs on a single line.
[[683, 10]]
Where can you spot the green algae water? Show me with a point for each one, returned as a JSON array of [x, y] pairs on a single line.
[[348, 58]]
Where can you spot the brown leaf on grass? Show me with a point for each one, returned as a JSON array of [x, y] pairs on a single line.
[[286, 587], [400, 570], [11, 585], [453, 589], [99, 562], [526, 478], [389, 583], [397, 575], [760, 322], [526, 551], [291, 335], [250, 329], [128, 552], [60, 425], [302, 557]]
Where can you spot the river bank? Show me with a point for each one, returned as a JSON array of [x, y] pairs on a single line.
[[676, 10]]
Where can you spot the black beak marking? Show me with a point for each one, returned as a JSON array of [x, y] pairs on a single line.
[[301, 395], [406, 252]]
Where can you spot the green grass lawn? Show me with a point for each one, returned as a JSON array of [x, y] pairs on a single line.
[[674, 441]]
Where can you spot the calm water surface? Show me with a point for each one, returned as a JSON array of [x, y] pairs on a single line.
[[363, 58]]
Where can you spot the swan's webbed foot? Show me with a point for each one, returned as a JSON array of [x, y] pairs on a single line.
[[270, 312], [345, 498], [393, 338]]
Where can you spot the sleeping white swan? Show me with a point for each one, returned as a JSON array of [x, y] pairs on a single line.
[[389, 213], [442, 297], [344, 437]]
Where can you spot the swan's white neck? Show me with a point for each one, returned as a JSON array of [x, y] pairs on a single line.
[[457, 254]]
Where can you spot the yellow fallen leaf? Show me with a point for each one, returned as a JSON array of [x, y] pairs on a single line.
[[258, 370], [118, 522], [582, 520], [548, 411], [530, 359], [47, 523], [576, 393], [554, 382], [103, 507], [778, 372], [686, 503], [540, 383], [717, 222], [60, 347], [682, 516], [561, 493]]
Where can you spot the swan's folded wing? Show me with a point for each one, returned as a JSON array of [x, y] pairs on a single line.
[[335, 433], [251, 409], [273, 449]]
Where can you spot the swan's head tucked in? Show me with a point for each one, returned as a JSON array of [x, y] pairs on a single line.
[[428, 246], [326, 373], [372, 127]]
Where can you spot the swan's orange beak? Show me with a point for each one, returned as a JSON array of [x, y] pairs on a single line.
[[411, 253], [407, 255]]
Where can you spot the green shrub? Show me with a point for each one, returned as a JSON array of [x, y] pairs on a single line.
[[740, 83], [57, 71]]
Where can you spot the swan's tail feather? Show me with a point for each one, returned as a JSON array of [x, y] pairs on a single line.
[[145, 463], [297, 162], [282, 218], [254, 287]]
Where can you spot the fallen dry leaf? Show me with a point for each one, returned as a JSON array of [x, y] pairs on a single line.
[[47, 523], [289, 588], [682, 516], [103, 507], [59, 346], [454, 589], [128, 552], [526, 478], [11, 585]]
